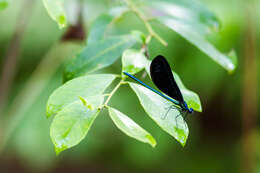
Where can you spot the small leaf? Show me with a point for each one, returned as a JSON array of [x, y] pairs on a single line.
[[80, 87], [98, 55], [133, 61], [73, 122], [3, 4], [130, 128], [55, 9], [98, 28], [157, 107], [139, 36], [191, 98]]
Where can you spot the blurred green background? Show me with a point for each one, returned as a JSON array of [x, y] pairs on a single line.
[[216, 143]]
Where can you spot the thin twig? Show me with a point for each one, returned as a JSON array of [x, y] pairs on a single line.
[[148, 26], [113, 92]]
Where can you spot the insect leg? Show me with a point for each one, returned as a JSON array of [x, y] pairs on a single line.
[[176, 118], [185, 116], [171, 107]]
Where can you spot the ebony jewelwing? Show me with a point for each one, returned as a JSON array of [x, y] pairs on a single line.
[[162, 77]]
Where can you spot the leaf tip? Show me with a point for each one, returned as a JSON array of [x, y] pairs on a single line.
[[48, 115], [233, 57], [58, 150], [3, 5], [48, 112], [62, 22], [182, 136], [151, 140]]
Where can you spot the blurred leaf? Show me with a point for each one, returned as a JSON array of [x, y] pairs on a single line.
[[102, 23], [133, 61], [98, 28], [73, 122], [130, 128], [188, 11], [157, 107], [38, 82], [191, 98], [3, 4], [85, 86], [55, 9], [192, 21], [98, 55], [190, 34], [233, 57]]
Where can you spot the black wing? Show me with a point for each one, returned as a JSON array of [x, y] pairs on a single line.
[[162, 77]]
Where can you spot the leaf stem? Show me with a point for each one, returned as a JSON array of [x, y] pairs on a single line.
[[148, 26], [113, 92]]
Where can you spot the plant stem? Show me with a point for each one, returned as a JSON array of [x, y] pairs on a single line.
[[113, 92], [9, 67], [145, 21]]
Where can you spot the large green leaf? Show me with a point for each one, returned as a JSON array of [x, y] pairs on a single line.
[[98, 55], [191, 98], [73, 122], [98, 28], [3, 4], [187, 11], [193, 22], [133, 61], [55, 9], [190, 34], [130, 128], [85, 86], [157, 107], [102, 23]]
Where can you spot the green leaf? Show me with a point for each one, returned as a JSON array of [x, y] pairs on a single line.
[[98, 28], [189, 33], [191, 98], [193, 22], [55, 9], [233, 58], [3, 4], [156, 107], [102, 23], [188, 11], [133, 61], [130, 128], [98, 55], [73, 122], [85, 86]]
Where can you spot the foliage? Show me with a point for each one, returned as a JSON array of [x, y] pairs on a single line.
[[3, 4], [56, 11], [79, 101]]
